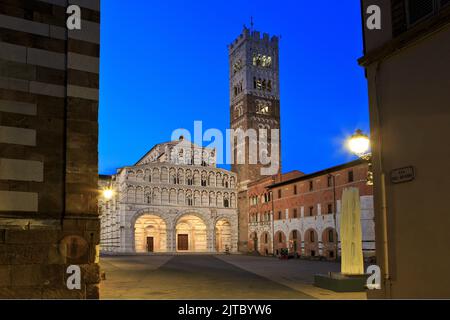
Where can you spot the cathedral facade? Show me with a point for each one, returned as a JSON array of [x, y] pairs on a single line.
[[174, 199]]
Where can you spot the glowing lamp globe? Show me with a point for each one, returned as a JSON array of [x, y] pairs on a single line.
[[108, 194], [359, 143]]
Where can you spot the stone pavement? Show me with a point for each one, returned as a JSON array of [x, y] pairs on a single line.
[[296, 274], [213, 277]]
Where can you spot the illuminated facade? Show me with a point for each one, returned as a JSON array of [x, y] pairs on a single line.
[[172, 200]]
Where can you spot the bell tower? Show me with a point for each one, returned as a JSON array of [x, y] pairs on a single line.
[[254, 104]]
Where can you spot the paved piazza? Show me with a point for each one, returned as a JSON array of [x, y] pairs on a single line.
[[214, 277]]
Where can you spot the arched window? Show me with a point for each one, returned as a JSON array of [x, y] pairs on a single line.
[[294, 234], [189, 200], [266, 239], [311, 236], [280, 238], [226, 203], [330, 236]]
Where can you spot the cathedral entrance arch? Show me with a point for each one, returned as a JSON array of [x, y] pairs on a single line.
[[150, 234], [223, 236], [191, 234]]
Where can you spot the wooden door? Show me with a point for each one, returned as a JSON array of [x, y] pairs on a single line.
[[150, 244], [183, 242]]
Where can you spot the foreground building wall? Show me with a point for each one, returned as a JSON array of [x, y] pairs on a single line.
[[298, 213], [48, 149], [407, 65]]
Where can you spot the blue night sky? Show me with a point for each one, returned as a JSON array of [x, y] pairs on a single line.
[[164, 64]]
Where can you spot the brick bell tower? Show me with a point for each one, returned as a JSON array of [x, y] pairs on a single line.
[[254, 104]]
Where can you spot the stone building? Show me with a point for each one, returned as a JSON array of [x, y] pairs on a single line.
[[297, 211], [174, 199], [49, 80], [407, 68], [254, 104]]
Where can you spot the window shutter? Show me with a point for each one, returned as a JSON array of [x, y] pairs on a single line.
[[418, 9], [398, 12]]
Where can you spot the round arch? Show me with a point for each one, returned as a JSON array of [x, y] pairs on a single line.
[[295, 242], [311, 243], [329, 240], [223, 235], [265, 247], [191, 233], [253, 242], [280, 241], [147, 212], [150, 234]]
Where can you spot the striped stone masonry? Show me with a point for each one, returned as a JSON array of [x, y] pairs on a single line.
[[49, 92]]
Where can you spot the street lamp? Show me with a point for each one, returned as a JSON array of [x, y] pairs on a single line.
[[359, 144], [108, 193]]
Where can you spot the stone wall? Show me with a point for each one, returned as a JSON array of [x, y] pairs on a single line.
[[49, 82]]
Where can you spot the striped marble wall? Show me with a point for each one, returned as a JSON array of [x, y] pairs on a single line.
[[49, 92], [49, 89]]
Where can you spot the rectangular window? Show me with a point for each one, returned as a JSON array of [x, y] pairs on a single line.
[[311, 186], [279, 215], [295, 214], [350, 176], [419, 9], [330, 236], [311, 211], [330, 181], [295, 189], [279, 193], [330, 208]]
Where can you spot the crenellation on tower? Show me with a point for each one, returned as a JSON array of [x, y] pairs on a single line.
[[255, 36]]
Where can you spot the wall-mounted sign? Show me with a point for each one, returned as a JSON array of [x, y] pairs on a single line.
[[402, 175]]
